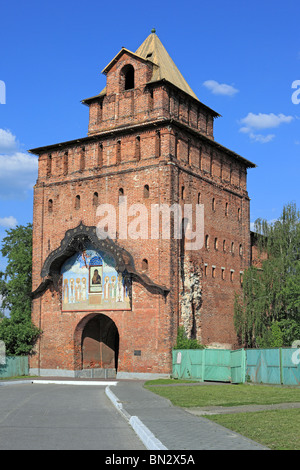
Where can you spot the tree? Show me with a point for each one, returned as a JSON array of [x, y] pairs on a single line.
[[268, 312], [17, 331]]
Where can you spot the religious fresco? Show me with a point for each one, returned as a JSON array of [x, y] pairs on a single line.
[[90, 281]]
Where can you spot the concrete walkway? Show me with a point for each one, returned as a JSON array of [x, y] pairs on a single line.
[[164, 426]]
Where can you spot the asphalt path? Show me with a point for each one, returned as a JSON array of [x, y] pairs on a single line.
[[62, 417]]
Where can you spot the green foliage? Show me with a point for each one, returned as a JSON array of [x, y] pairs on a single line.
[[268, 312], [183, 342], [18, 333], [18, 337]]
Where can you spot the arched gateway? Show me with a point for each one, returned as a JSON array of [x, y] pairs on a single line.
[[97, 346]]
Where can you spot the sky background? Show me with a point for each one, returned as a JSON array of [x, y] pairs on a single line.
[[239, 57]]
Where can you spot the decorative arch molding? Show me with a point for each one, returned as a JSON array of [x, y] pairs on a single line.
[[76, 240]]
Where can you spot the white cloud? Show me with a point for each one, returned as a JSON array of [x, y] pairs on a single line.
[[220, 88], [263, 139], [264, 121], [8, 222], [253, 122], [18, 170], [8, 143]]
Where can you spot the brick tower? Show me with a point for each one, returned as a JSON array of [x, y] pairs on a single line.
[[115, 304]]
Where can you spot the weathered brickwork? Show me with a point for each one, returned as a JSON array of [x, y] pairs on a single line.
[[152, 143]]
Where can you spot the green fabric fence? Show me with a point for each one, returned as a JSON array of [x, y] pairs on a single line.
[[269, 366], [14, 366]]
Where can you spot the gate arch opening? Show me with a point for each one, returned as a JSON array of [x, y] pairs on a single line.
[[99, 343]]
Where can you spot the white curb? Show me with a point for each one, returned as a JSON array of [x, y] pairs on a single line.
[[146, 436]]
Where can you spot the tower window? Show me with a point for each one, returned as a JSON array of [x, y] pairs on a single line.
[[182, 193], [49, 165], [95, 199], [121, 194], [118, 157], [145, 265], [65, 163], [146, 191], [77, 202], [127, 77], [50, 205], [138, 148], [226, 209], [82, 159], [100, 155], [207, 242], [157, 144]]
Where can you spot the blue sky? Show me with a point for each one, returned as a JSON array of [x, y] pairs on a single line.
[[240, 58]]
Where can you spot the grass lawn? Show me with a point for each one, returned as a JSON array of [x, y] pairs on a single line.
[[225, 395], [276, 429]]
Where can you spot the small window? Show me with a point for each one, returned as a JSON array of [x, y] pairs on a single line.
[[232, 247], [213, 204], [138, 148], [66, 163], [146, 191], [50, 205], [224, 245], [100, 155], [207, 242], [223, 274], [241, 250], [49, 165], [176, 145], [157, 144], [95, 199], [182, 193], [231, 274], [216, 243], [200, 158], [150, 100], [241, 277], [199, 198], [213, 271], [205, 270], [118, 156], [82, 159], [121, 194], [77, 202], [226, 209], [145, 265], [239, 214]]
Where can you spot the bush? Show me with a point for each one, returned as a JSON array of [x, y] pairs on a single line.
[[183, 342]]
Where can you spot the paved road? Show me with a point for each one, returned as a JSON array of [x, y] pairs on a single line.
[[62, 417]]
